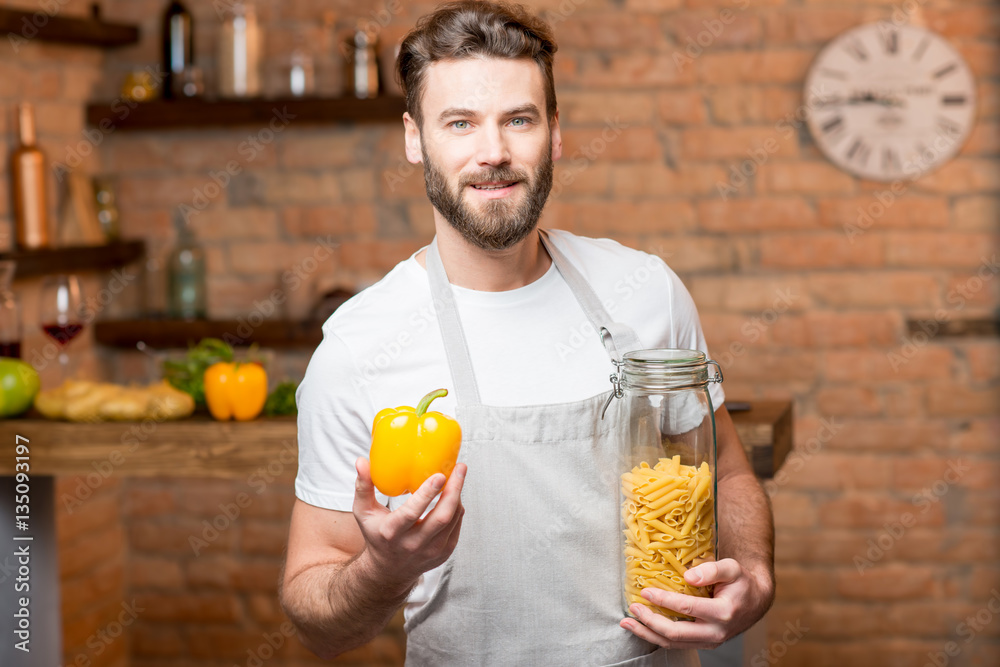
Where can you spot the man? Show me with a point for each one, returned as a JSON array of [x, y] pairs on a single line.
[[501, 569]]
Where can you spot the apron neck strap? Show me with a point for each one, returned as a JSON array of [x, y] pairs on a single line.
[[617, 338]]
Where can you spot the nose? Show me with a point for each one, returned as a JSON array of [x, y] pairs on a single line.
[[492, 150]]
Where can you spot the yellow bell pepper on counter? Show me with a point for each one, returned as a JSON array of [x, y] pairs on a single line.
[[409, 445], [235, 390]]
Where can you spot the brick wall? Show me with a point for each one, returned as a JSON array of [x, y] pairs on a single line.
[[887, 523]]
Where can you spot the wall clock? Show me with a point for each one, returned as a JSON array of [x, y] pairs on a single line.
[[889, 102]]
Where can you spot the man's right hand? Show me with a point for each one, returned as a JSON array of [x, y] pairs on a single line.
[[399, 545]]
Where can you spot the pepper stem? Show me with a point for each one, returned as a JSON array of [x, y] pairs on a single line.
[[426, 400]]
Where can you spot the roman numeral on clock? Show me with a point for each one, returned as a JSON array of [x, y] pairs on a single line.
[[890, 41], [890, 161], [860, 150], [856, 49], [949, 127], [953, 100], [946, 70]]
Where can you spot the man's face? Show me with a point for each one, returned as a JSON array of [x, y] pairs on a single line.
[[486, 146]]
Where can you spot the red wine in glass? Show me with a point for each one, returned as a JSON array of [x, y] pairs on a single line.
[[63, 333]]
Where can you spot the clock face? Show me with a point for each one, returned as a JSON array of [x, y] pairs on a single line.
[[889, 102]]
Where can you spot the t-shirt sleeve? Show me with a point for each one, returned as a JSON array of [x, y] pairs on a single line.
[[687, 329], [333, 427]]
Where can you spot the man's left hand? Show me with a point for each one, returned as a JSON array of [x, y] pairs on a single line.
[[741, 597]]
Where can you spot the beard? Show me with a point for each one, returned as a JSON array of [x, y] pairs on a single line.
[[497, 224]]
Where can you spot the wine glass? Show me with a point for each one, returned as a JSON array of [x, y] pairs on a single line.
[[61, 313]]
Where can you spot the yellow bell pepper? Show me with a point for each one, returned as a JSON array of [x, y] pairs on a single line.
[[235, 391], [408, 446]]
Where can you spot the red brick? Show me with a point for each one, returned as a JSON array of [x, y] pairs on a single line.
[[934, 249], [211, 571], [78, 516], [152, 572], [977, 435], [864, 214], [875, 510], [275, 503], [848, 401], [257, 575], [610, 31], [981, 508], [773, 66], [300, 187], [982, 360], [742, 143], [95, 586], [188, 607], [936, 476], [892, 582], [652, 180], [964, 21], [628, 69], [156, 640], [796, 582], [982, 57], [324, 149], [264, 537], [958, 400], [633, 143], [866, 366], [820, 250], [819, 26], [976, 213], [962, 175], [786, 177], [145, 500], [839, 329], [819, 548], [988, 99], [870, 289], [175, 538], [756, 214], [679, 107], [794, 511], [586, 107], [693, 30], [756, 296], [99, 546], [236, 223]]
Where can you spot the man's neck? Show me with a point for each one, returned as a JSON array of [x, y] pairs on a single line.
[[488, 270]]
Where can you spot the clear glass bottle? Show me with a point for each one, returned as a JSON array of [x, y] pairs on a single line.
[[668, 482], [186, 275], [10, 312], [240, 52], [361, 65]]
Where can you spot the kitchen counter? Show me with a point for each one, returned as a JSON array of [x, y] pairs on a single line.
[[202, 447]]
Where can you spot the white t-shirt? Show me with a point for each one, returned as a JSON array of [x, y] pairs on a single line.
[[529, 346]]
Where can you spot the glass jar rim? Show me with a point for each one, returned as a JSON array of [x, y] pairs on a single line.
[[667, 359]]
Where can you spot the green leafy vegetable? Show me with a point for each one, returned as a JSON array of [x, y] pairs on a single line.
[[187, 374], [282, 400]]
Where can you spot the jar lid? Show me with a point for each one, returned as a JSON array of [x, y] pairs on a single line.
[[667, 368]]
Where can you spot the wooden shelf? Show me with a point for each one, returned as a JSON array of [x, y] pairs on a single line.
[[988, 327], [33, 263], [201, 447], [197, 113], [170, 333], [86, 31]]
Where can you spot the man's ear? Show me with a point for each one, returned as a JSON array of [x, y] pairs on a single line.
[[556, 136], [412, 139]]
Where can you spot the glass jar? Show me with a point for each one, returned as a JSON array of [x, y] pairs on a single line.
[[668, 483]]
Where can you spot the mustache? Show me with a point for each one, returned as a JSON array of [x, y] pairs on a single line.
[[495, 174]]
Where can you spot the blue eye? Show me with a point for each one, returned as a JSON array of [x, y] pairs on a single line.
[[460, 124], [519, 121]]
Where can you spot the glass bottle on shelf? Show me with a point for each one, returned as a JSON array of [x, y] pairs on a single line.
[[240, 52], [178, 47], [668, 482], [186, 274], [28, 175], [107, 208], [10, 312], [361, 65]]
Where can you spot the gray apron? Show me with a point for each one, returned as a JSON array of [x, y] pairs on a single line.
[[535, 577]]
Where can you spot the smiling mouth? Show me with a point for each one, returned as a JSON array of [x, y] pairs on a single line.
[[493, 186]]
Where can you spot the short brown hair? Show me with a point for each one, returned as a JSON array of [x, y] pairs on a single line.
[[469, 28]]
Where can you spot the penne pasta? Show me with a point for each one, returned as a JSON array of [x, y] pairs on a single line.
[[668, 511]]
